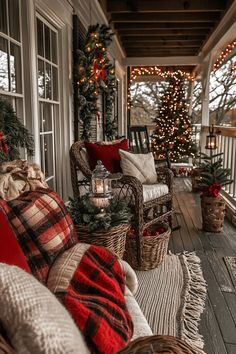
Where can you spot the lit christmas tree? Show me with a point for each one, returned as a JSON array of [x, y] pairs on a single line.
[[173, 130]]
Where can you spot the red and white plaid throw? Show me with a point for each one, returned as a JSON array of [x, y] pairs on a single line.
[[42, 226]]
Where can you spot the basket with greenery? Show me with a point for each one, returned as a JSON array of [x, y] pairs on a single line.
[[109, 230], [213, 175]]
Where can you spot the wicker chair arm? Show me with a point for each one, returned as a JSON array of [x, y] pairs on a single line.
[[165, 175], [135, 185]]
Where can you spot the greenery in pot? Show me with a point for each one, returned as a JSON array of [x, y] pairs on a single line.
[[213, 175], [84, 212], [13, 134]]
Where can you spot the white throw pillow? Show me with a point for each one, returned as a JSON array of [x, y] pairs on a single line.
[[141, 166], [34, 319]]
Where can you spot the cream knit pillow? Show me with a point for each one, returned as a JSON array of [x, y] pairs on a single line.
[[141, 166], [34, 319]]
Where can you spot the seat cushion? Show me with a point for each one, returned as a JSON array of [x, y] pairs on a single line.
[[141, 326], [33, 318], [108, 154], [141, 166], [153, 191]]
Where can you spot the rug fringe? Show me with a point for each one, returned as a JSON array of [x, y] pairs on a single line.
[[193, 304]]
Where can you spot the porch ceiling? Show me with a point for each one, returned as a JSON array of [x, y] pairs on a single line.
[[173, 28]]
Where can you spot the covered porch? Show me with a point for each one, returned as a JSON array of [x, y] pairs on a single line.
[[62, 100]]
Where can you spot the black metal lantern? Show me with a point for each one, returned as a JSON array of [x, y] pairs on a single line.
[[211, 139]]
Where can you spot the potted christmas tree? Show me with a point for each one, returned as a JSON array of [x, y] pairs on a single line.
[[13, 134], [213, 178]]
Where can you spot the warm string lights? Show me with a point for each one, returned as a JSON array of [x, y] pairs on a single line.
[[137, 71], [230, 47], [95, 74], [173, 130]]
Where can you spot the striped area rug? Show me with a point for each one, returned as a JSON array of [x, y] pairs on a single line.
[[172, 297]]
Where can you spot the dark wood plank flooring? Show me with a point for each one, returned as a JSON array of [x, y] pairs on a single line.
[[218, 322]]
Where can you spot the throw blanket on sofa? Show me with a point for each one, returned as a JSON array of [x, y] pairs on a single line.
[[42, 226], [89, 281], [18, 176]]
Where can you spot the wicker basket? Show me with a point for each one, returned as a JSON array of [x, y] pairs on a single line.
[[154, 249], [213, 213], [157, 344], [114, 239]]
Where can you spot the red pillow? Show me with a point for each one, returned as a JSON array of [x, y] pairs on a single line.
[[108, 154], [10, 250]]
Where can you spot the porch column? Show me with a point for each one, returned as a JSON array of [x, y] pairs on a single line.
[[207, 64]]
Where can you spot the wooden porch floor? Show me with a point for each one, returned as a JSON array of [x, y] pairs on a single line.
[[218, 322]]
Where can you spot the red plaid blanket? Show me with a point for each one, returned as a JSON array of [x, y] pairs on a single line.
[[42, 226], [95, 299]]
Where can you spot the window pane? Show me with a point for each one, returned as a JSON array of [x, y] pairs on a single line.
[[48, 155], [46, 117], [3, 16], [51, 183], [15, 67], [54, 47], [47, 42], [40, 38], [42, 154], [55, 83], [48, 81], [41, 78], [4, 74], [14, 19]]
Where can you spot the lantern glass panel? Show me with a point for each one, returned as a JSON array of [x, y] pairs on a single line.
[[211, 142]]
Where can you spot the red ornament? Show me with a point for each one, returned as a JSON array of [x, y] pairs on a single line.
[[3, 144]]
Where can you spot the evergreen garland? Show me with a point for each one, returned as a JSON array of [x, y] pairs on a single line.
[[95, 74], [13, 134], [84, 212]]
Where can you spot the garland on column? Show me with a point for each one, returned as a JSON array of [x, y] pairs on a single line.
[[13, 134], [95, 74]]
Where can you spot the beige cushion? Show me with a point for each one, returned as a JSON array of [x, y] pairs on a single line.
[[153, 191], [141, 326], [131, 279], [34, 319], [141, 166]]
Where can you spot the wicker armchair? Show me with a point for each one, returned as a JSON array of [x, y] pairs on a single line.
[[146, 211]]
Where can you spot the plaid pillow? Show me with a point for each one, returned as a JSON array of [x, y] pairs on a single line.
[[42, 226]]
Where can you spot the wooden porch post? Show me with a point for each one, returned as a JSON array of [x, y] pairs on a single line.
[[205, 97]]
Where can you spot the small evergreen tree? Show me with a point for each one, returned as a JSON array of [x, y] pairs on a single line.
[[13, 134], [212, 172], [173, 130]]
